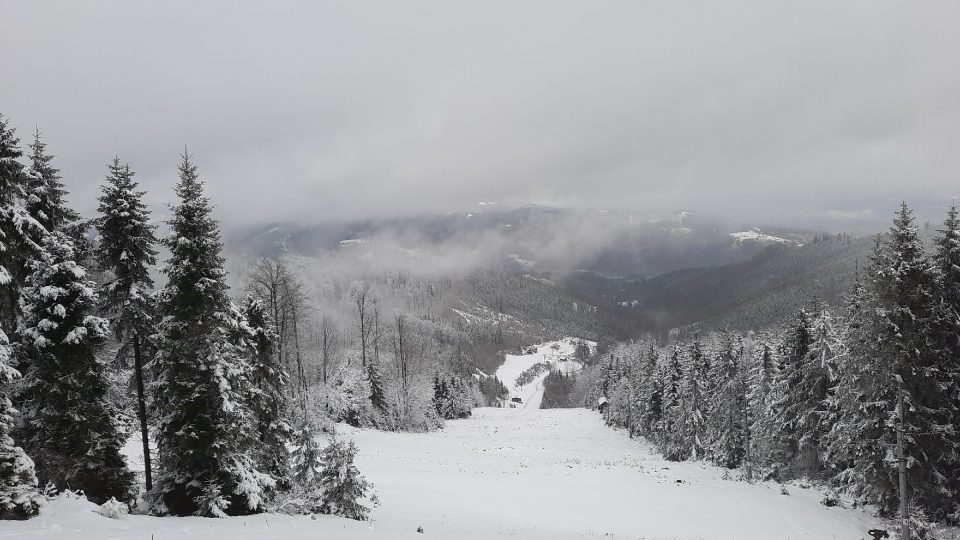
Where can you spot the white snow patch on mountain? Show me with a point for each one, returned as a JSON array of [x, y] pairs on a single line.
[[757, 236]]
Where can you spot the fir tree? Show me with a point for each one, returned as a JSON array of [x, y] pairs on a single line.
[[18, 229], [441, 396], [946, 369], [19, 497], [809, 398], [670, 439], [693, 412], [762, 380], [651, 392], [378, 396], [126, 249], [70, 427], [728, 438], [906, 288], [46, 196], [268, 400], [344, 488], [786, 442], [860, 441], [306, 459], [205, 437]]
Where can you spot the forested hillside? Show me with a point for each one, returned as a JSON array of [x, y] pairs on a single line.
[[753, 294]]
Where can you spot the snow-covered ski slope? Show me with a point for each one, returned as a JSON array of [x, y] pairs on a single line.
[[509, 473], [559, 354]]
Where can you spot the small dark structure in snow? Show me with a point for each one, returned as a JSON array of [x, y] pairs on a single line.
[[878, 533], [516, 400], [602, 404]]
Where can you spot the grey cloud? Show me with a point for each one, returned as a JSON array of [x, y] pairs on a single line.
[[779, 111]]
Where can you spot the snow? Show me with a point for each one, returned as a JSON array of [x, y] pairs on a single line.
[[558, 354], [353, 241], [520, 260], [508, 473], [757, 236]]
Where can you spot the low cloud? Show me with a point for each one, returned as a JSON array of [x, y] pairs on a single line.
[[312, 111]]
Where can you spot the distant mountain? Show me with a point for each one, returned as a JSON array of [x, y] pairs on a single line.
[[543, 241], [752, 294]]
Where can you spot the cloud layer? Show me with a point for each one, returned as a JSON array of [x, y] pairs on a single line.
[[776, 111]]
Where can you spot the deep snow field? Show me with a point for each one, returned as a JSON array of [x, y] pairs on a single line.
[[520, 473], [509, 473]]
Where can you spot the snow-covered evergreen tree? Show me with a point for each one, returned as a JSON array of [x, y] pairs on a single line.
[[728, 437], [269, 400], [451, 397], [694, 410], [808, 403], [888, 382], [344, 488], [907, 290], [305, 460], [125, 248], [946, 369], [19, 497], [46, 195], [205, 437], [786, 441], [859, 446], [671, 442], [651, 392], [763, 376], [70, 427], [19, 231], [378, 395]]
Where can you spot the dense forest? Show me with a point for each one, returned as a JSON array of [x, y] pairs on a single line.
[[851, 395], [226, 387]]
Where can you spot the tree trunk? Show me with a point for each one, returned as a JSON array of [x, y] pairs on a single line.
[[142, 411], [902, 462]]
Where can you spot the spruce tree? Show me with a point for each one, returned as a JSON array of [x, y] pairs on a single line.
[[205, 437], [670, 440], [19, 231], [19, 497], [786, 441], [269, 401], [858, 446], [651, 392], [45, 193], [907, 289], [70, 427], [762, 423], [305, 460], [126, 249], [693, 412], [378, 395], [344, 488], [888, 383], [728, 437], [946, 370]]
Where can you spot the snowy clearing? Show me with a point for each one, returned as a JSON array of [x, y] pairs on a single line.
[[559, 354], [530, 474]]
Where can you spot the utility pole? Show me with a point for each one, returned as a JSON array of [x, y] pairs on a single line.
[[901, 453]]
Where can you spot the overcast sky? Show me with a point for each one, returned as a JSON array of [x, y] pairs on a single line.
[[774, 111]]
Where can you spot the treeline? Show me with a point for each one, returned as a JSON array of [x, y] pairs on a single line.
[[211, 389], [845, 398]]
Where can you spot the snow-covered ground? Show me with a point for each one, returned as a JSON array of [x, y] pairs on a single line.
[[559, 354], [509, 473]]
